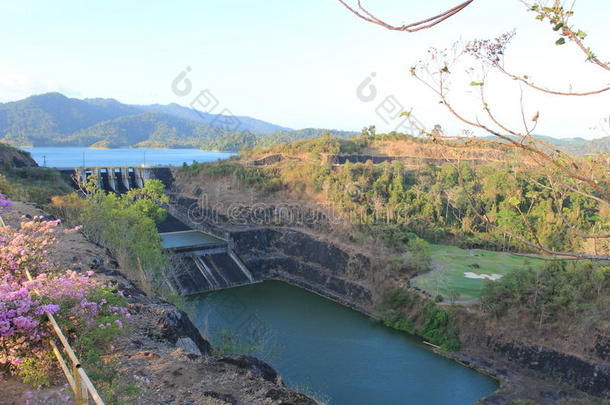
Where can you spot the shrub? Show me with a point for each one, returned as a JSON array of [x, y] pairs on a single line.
[[554, 296], [125, 225], [68, 207], [437, 328], [36, 184], [22, 329], [89, 313], [432, 323]]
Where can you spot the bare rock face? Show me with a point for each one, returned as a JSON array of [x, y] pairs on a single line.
[[592, 378], [257, 367], [305, 261], [174, 325], [12, 158]]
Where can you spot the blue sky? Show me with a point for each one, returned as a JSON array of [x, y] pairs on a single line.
[[294, 63]]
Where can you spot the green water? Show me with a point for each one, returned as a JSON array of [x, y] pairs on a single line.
[[340, 355]]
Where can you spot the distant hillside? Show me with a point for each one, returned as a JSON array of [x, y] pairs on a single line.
[[53, 119], [242, 123], [583, 147], [575, 146], [143, 130]]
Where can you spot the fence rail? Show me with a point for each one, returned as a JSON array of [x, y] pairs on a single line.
[[79, 381]]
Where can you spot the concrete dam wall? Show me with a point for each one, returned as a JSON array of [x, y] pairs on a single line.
[[119, 179]]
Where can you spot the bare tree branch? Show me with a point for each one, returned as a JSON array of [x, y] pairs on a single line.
[[535, 245], [518, 141], [549, 91], [420, 25], [492, 52]]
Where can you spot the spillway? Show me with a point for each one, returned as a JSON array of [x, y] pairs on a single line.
[[201, 263]]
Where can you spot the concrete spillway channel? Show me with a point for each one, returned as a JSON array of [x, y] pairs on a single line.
[[122, 186], [105, 180], [201, 263]]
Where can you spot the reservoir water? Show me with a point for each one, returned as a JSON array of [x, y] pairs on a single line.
[[340, 355], [78, 157]]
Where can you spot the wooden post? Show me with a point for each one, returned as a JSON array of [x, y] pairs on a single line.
[[85, 393], [78, 384]]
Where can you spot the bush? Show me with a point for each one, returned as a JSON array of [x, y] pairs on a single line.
[[68, 207], [437, 328], [402, 309], [125, 225]]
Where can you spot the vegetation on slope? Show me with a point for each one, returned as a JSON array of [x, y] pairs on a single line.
[[441, 203], [35, 184], [573, 295], [125, 225], [22, 180], [405, 310]]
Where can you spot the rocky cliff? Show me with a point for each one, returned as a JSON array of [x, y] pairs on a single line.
[[302, 260], [11, 158], [587, 376]]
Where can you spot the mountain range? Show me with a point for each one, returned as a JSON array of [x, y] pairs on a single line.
[[53, 119]]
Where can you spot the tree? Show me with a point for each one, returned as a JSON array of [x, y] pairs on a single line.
[[567, 178]]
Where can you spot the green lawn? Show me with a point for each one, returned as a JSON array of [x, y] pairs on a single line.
[[449, 263]]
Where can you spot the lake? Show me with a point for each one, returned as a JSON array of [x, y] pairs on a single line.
[[78, 157], [331, 352]]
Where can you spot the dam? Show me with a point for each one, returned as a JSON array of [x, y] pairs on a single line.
[[117, 179], [201, 262]]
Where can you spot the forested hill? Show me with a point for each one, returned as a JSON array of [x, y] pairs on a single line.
[[53, 119]]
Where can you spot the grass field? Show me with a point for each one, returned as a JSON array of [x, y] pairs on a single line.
[[450, 265]]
